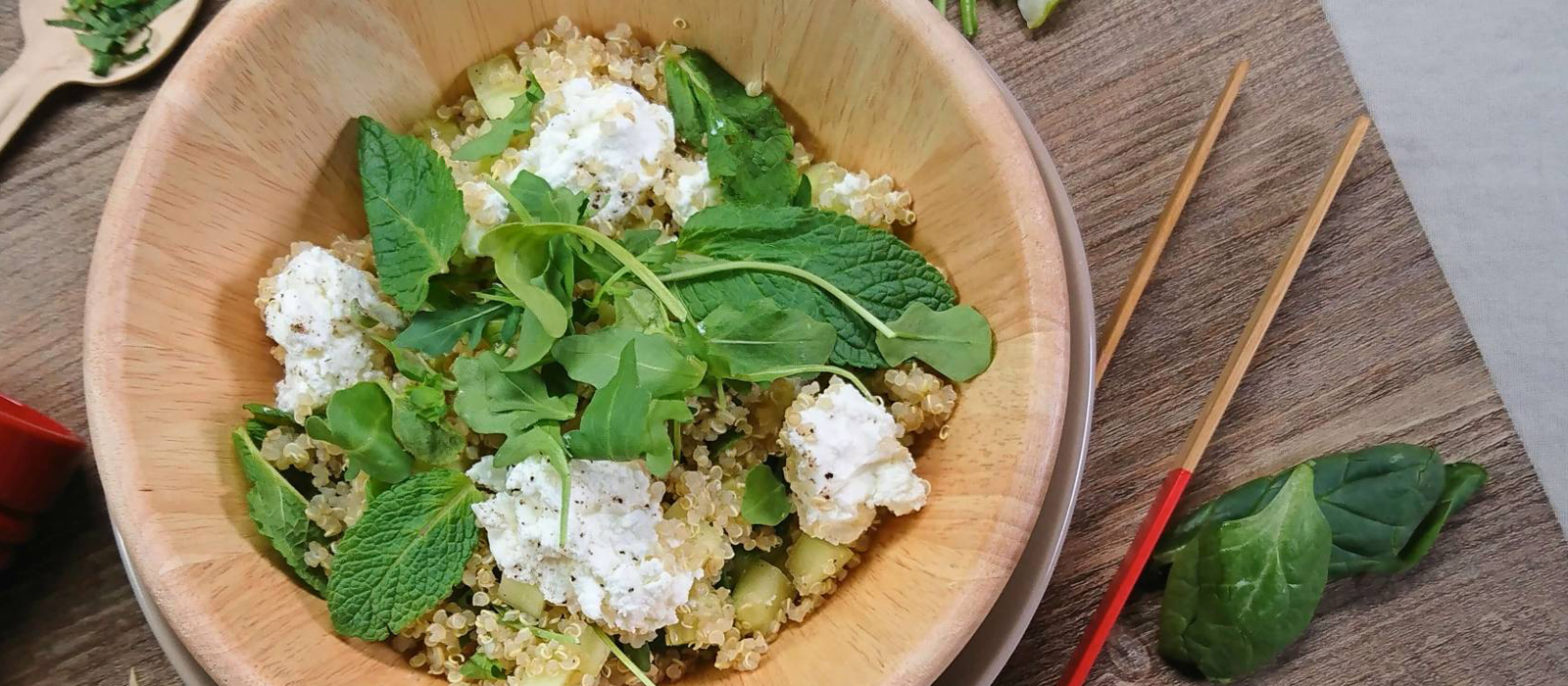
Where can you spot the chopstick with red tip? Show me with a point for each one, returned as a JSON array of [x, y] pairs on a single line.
[[1082, 662], [1199, 156]]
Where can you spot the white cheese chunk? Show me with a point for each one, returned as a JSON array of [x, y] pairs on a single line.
[[689, 189], [616, 568], [314, 302], [606, 140], [843, 460]]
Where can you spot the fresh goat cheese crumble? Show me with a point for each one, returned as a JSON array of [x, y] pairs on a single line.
[[617, 567], [310, 314], [843, 460]]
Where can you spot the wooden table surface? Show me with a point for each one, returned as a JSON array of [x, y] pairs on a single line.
[[1369, 347]]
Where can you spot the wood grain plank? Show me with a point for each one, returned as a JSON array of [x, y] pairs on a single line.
[[1368, 347]]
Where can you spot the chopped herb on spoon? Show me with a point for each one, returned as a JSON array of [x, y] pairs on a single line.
[[115, 31]]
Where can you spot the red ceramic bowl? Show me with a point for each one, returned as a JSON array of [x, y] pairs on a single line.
[[37, 457]]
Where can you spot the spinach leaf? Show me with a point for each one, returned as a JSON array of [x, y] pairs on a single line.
[[1247, 588], [420, 424], [359, 420], [436, 332], [623, 421], [663, 368], [404, 555], [415, 211], [1374, 500], [749, 145], [765, 500], [742, 341], [278, 511], [517, 120], [1460, 481], [493, 400], [956, 342], [879, 274]]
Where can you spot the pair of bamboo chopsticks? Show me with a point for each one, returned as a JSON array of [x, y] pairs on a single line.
[[1197, 442]]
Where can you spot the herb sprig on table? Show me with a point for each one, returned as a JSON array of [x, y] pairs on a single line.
[[115, 31], [561, 343]]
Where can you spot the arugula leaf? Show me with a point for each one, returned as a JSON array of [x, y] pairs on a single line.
[[522, 257], [546, 442], [436, 332], [878, 272], [623, 422], [480, 667], [1248, 587], [519, 119], [956, 342], [278, 511], [492, 400], [749, 145], [412, 364], [419, 423], [404, 554], [639, 310], [521, 254], [765, 501], [415, 211], [531, 344], [762, 336], [533, 201], [359, 420], [663, 368]]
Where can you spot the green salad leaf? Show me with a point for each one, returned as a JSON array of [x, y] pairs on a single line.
[[522, 258], [481, 667], [956, 342], [749, 145], [519, 119], [1460, 481], [415, 212], [1247, 588], [359, 420], [543, 441], [624, 422], [879, 273], [741, 342], [420, 424], [114, 31], [436, 332], [263, 418], [1374, 499], [765, 501], [534, 201], [493, 400], [414, 365], [404, 554], [278, 511], [663, 367]]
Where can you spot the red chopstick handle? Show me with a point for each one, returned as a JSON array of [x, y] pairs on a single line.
[[1154, 522]]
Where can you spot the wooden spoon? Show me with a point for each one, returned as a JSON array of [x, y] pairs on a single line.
[[51, 58]]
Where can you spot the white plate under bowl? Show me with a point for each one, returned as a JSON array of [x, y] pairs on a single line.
[[988, 651]]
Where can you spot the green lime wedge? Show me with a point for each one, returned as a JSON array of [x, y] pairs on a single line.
[[1035, 11]]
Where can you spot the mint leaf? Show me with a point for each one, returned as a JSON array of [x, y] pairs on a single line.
[[623, 422], [749, 145], [738, 342], [765, 500], [436, 332], [419, 422], [415, 211], [956, 342], [517, 120], [881, 273], [278, 511], [359, 420], [404, 555], [663, 368], [492, 400]]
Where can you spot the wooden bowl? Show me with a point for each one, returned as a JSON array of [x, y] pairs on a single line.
[[248, 148]]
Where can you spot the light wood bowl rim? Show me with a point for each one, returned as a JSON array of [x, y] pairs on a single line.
[[119, 468]]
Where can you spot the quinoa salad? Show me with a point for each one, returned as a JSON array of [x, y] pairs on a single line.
[[617, 387]]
